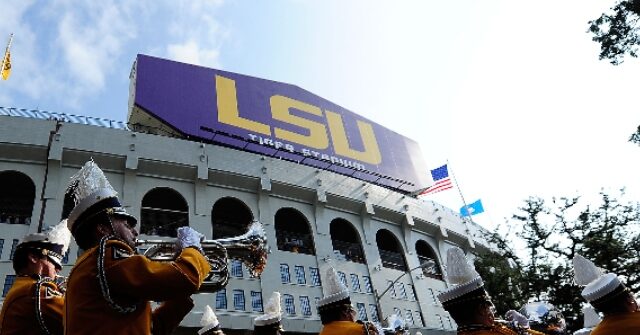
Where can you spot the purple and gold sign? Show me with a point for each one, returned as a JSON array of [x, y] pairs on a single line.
[[275, 119]]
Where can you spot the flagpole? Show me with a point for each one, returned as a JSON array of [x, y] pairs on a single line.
[[466, 208], [6, 51]]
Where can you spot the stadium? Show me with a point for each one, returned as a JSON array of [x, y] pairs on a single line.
[[215, 150]]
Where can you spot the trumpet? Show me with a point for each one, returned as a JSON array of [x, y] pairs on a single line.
[[251, 248]]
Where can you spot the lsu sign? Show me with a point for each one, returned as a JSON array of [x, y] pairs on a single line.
[[275, 119]]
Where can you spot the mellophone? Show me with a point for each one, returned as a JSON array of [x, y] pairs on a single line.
[[251, 248]]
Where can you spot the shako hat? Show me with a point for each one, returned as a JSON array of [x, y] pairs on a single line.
[[89, 193], [272, 312], [335, 292], [209, 322], [599, 286], [53, 243], [465, 283], [591, 319]]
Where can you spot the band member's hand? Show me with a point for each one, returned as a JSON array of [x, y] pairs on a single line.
[[188, 237], [518, 319], [371, 329]]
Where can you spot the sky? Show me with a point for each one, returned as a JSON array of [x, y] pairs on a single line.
[[510, 94]]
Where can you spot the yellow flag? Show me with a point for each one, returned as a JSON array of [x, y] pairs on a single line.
[[6, 71]]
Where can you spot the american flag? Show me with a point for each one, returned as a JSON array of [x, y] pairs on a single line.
[[441, 181]]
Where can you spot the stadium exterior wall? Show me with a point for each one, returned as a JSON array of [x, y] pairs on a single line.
[[136, 163]]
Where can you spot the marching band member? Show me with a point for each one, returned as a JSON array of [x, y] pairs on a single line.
[[110, 287], [609, 296], [591, 319], [269, 322], [337, 315], [209, 322], [468, 302], [35, 303]]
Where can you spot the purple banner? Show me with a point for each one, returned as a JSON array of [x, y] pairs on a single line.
[[276, 119]]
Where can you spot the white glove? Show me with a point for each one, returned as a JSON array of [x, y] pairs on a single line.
[[518, 319], [188, 237]]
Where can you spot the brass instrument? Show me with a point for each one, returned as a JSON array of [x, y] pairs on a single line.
[[251, 248]]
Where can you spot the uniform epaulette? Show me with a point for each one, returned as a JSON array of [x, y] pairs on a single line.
[[50, 293]]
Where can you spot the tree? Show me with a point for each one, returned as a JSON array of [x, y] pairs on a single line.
[[617, 31], [550, 236]]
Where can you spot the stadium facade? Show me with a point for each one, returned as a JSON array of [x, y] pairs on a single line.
[[317, 212]]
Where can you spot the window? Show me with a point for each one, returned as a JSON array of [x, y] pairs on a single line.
[[346, 241], [408, 317], [316, 299], [374, 313], [305, 306], [401, 290], [1, 246], [355, 283], [392, 289], [441, 321], [238, 300], [315, 276], [433, 297], [230, 217], [417, 319], [411, 292], [427, 255], [397, 312], [362, 312], [367, 284], [17, 198], [236, 268], [13, 248], [8, 282], [390, 250], [65, 259], [300, 278], [289, 305], [449, 322], [293, 232], [163, 211], [221, 299], [284, 274], [256, 301], [343, 278]]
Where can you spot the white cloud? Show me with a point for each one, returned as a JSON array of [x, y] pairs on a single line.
[[195, 33], [67, 53], [190, 52], [92, 37]]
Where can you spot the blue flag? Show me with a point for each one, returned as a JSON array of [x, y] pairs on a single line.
[[472, 209]]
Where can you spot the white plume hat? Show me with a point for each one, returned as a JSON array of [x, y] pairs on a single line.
[[591, 317], [461, 275], [334, 289], [597, 283], [272, 312], [209, 320], [53, 243], [90, 193]]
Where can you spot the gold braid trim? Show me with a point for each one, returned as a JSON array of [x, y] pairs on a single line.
[[497, 329]]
